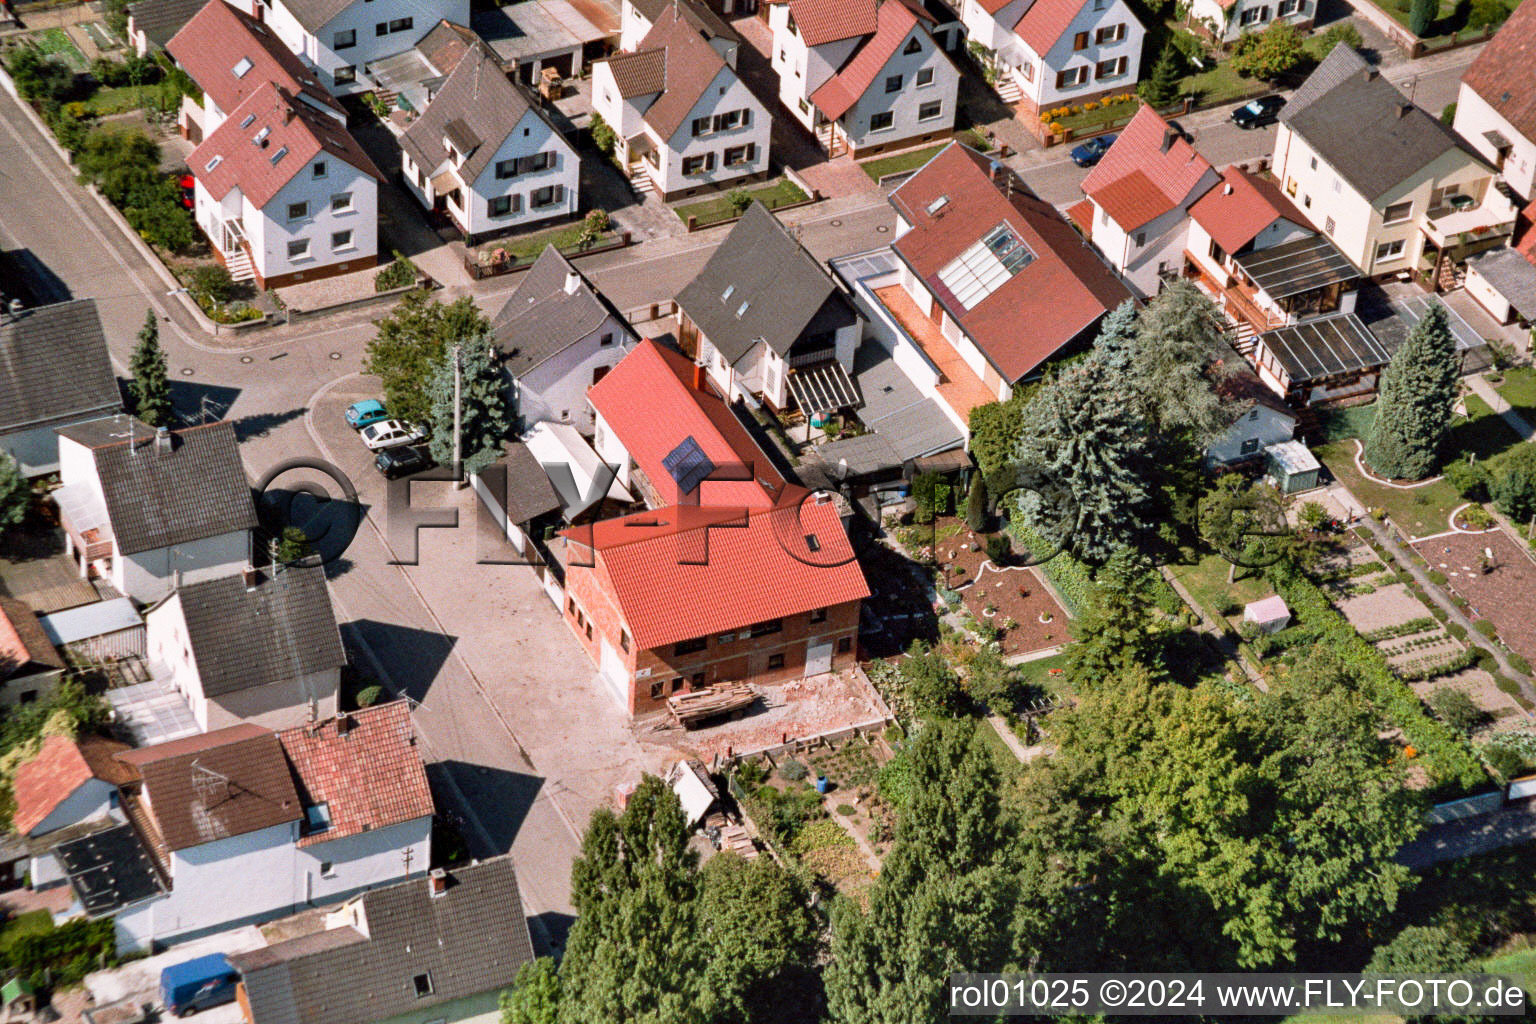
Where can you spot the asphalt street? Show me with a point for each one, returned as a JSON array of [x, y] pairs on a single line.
[[496, 675]]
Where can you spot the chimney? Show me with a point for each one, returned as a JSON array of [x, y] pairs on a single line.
[[343, 724], [163, 440], [437, 882], [287, 115], [572, 282], [1370, 74], [698, 376], [1168, 136], [1402, 110], [250, 576], [1227, 189]]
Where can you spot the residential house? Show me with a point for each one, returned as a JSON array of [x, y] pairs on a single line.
[[1266, 421], [57, 373], [784, 583], [764, 318], [302, 817], [1496, 106], [231, 55], [1226, 21], [30, 666], [485, 153], [152, 23], [65, 791], [1056, 53], [1397, 191], [284, 193], [526, 507], [1139, 196], [443, 948], [558, 336], [638, 17], [684, 122], [983, 285], [864, 76], [258, 647], [143, 508], [342, 39]]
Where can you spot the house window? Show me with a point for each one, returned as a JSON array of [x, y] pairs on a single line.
[[1254, 15], [677, 683], [1313, 163], [318, 817], [381, 29], [298, 250], [570, 605], [765, 628], [423, 984], [1080, 41], [243, 67], [693, 646], [341, 202], [341, 240], [1111, 68], [1328, 225], [913, 46], [1287, 7], [1306, 202], [1141, 239], [735, 156], [924, 77], [1099, 5], [819, 615], [498, 206], [624, 640], [1109, 34], [298, 211], [702, 126], [775, 661], [1072, 77], [657, 690], [699, 164], [929, 111], [549, 195], [893, 83], [1397, 213], [318, 170], [599, 372], [1249, 446], [345, 74], [589, 625], [344, 40], [730, 120], [1441, 196], [327, 869], [605, 340], [882, 121], [1390, 250], [277, 157], [844, 644], [726, 638], [401, 24], [506, 169]]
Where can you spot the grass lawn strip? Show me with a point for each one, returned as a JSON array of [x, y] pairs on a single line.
[[773, 195], [877, 169]]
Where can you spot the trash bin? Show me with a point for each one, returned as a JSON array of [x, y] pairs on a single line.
[[821, 784]]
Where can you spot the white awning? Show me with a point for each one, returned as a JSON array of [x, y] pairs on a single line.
[[823, 388]]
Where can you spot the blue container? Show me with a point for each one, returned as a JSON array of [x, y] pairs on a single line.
[[821, 784]]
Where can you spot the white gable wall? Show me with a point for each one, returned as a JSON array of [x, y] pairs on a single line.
[[726, 93], [531, 135], [320, 51], [1036, 73], [556, 389], [270, 230], [1474, 116], [802, 69], [908, 99]]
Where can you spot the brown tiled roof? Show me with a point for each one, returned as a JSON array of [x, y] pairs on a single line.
[[1047, 303], [46, 781], [827, 21], [477, 100], [840, 92], [640, 73], [1240, 206], [220, 784], [446, 45], [1504, 73], [218, 38], [692, 64], [251, 160], [1140, 178], [364, 766], [23, 641]]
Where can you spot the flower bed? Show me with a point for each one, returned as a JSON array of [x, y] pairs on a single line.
[[1091, 116]]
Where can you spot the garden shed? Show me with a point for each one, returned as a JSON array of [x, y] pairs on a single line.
[[1270, 614], [1293, 466]]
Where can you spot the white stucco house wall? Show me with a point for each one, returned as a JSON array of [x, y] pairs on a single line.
[[341, 38], [638, 17], [1496, 105], [1228, 20]]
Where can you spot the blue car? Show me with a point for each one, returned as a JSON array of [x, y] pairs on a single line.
[[365, 413], [1092, 151]]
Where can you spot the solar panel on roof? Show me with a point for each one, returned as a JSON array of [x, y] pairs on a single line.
[[688, 465], [981, 269]]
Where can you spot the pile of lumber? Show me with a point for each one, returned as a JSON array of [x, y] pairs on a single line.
[[690, 708]]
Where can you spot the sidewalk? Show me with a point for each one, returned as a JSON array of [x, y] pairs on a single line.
[[1482, 389]]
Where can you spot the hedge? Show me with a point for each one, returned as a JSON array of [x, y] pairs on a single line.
[[69, 952], [1412, 626], [1453, 766]]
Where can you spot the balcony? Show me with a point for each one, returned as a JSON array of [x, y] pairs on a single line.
[[1461, 223], [958, 386]]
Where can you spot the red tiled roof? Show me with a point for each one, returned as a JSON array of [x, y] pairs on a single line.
[[1525, 224], [1504, 73], [23, 641], [1240, 206], [370, 775], [1044, 21], [894, 22], [1141, 179], [648, 402], [46, 781], [1063, 292], [218, 37], [248, 163], [1081, 214], [690, 65], [993, 6], [675, 578], [827, 21]]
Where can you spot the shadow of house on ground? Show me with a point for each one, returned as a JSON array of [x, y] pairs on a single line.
[[193, 403], [30, 280], [411, 657], [484, 787]]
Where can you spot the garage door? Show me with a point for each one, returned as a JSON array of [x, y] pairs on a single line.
[[611, 669], [818, 658]]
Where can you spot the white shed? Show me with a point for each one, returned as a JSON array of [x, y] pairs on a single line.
[[1270, 614]]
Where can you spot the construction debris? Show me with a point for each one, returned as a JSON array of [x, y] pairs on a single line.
[[701, 705]]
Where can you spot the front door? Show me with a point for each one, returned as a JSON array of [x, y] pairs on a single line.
[[818, 658]]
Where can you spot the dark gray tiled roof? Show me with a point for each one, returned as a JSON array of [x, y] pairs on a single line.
[[897, 411], [541, 318], [1367, 131], [697, 14], [279, 629], [1511, 276], [158, 498], [760, 285], [471, 939], [529, 492], [159, 20], [477, 107], [54, 365]]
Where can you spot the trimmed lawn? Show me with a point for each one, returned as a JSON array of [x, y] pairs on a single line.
[[1206, 581], [879, 168], [1419, 512], [1220, 84], [526, 248], [773, 195], [1038, 674], [1449, 20], [33, 922], [1519, 390], [1342, 424], [105, 102]]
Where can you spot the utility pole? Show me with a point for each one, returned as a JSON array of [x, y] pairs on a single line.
[[458, 418]]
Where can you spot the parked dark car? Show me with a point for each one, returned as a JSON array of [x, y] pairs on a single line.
[[402, 461], [1258, 113], [1092, 151]]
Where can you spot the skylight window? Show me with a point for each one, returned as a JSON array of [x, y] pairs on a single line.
[[730, 290], [243, 67], [218, 159], [937, 205], [742, 308], [318, 817], [278, 156], [985, 266]]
